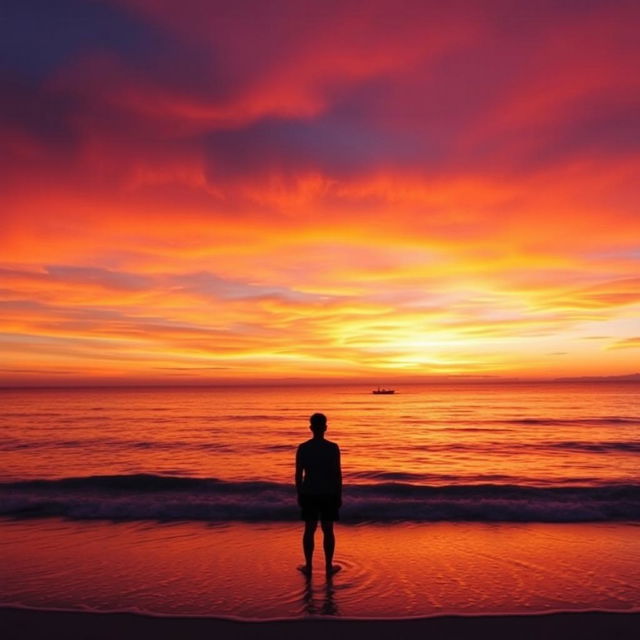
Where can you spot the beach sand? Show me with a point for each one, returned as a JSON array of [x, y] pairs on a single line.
[[20, 624]]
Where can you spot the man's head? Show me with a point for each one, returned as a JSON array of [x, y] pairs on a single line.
[[318, 423]]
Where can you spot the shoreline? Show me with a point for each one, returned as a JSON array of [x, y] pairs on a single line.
[[35, 624]]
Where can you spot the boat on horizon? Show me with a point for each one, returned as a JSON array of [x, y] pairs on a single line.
[[382, 391]]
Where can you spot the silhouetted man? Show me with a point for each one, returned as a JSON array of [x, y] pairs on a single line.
[[319, 486]]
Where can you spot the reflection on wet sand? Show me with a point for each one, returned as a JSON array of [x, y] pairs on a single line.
[[321, 600]]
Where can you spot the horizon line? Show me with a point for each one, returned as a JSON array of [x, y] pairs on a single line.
[[297, 382]]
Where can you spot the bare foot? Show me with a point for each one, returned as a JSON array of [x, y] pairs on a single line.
[[303, 568], [333, 569]]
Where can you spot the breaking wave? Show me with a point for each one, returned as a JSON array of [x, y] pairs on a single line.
[[154, 497]]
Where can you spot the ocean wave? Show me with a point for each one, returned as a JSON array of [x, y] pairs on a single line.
[[482, 447], [436, 479], [599, 447], [602, 420], [510, 448], [14, 444], [153, 497]]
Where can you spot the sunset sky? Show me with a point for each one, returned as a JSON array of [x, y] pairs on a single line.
[[194, 190]]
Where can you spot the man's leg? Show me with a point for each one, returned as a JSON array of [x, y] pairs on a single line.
[[329, 543], [308, 544]]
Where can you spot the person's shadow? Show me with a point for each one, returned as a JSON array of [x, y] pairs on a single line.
[[315, 606]]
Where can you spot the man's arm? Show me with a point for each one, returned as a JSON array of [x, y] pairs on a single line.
[[339, 476], [299, 471]]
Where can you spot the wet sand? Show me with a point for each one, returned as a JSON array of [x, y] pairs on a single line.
[[20, 624], [248, 571]]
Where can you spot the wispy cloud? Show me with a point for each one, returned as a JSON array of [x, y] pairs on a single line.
[[627, 343]]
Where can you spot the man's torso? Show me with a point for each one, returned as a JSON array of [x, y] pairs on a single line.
[[320, 460]]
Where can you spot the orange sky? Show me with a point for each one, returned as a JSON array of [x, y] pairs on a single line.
[[201, 191]]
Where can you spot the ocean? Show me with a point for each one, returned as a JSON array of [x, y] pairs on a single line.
[[181, 500]]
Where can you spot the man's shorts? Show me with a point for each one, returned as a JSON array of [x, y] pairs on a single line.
[[319, 507]]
